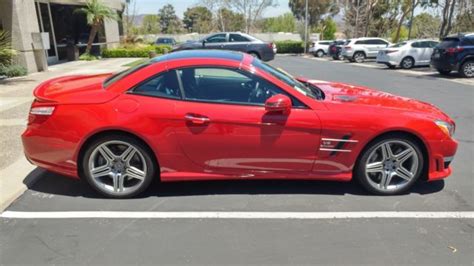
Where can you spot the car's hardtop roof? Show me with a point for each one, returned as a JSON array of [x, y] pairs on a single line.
[[188, 54]]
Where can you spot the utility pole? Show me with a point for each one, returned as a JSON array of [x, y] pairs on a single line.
[[411, 19], [306, 26]]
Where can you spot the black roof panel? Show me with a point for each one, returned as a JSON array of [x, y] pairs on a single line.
[[221, 54]]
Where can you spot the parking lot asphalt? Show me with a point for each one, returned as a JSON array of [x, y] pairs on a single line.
[[261, 241]]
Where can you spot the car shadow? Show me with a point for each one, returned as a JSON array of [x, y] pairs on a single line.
[[51, 183]]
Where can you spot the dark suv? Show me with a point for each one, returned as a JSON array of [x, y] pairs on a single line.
[[334, 49], [455, 53], [235, 41]]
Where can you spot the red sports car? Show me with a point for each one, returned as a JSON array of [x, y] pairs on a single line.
[[200, 115]]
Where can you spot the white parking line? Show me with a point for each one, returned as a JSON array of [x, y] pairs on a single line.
[[235, 215]]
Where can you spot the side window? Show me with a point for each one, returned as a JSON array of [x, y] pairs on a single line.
[[216, 38], [468, 41], [237, 38], [361, 42], [371, 42], [433, 44], [382, 42], [164, 85], [225, 85], [416, 45]]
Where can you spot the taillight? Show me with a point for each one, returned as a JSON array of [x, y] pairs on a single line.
[[347, 47], [40, 112], [391, 51], [333, 48], [453, 50], [270, 45]]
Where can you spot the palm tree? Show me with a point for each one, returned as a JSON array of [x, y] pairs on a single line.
[[96, 12]]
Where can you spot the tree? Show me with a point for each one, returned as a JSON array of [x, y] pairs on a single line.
[[329, 29], [169, 22], [425, 25], [150, 24], [316, 9], [198, 19], [230, 21], [399, 34], [6, 51], [282, 23], [129, 17], [96, 12], [251, 10]]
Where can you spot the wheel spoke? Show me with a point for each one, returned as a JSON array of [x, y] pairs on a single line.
[[101, 171], [107, 153], [118, 181], [375, 167], [134, 172], [128, 154], [404, 173], [383, 179], [404, 155], [386, 151]]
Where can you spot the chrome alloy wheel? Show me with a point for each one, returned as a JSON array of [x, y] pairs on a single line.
[[117, 167], [392, 165], [359, 57], [469, 69], [407, 63]]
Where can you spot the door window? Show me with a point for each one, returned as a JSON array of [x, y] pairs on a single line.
[[225, 85], [164, 85], [237, 38], [216, 38]]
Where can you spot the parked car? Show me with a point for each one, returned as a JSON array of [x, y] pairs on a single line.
[[320, 48], [455, 53], [334, 49], [357, 50], [235, 41], [226, 115], [407, 54], [166, 41]]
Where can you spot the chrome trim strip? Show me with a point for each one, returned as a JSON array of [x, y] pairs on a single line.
[[340, 140], [339, 150], [448, 159]]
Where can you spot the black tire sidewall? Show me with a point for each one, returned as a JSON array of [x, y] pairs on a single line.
[[149, 160], [359, 171], [355, 56], [407, 58]]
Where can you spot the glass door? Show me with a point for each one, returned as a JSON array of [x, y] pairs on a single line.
[[43, 11]]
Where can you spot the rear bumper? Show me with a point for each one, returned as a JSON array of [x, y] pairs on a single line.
[[444, 65], [387, 60], [267, 56]]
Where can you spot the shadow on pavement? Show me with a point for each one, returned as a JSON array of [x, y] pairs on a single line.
[[52, 183]]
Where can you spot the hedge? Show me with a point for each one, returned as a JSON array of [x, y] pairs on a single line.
[[12, 70], [289, 47], [135, 51]]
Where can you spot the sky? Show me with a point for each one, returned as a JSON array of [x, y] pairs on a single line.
[[152, 6]]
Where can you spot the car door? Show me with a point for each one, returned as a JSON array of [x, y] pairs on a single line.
[[416, 51], [372, 47], [380, 44], [216, 41], [237, 42], [225, 126]]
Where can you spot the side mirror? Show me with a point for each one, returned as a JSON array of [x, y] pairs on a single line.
[[203, 43], [278, 103]]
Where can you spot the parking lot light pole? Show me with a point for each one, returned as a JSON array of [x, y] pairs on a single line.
[[411, 18], [306, 26]]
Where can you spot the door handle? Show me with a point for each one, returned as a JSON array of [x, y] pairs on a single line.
[[198, 120]]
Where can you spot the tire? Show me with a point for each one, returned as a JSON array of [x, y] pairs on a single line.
[[390, 176], [254, 54], [407, 63], [358, 57], [340, 56], [118, 174], [443, 71], [467, 69], [391, 66], [319, 53]]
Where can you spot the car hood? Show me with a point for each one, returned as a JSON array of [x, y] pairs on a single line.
[[74, 89], [345, 93]]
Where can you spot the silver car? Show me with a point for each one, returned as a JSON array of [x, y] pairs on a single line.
[[407, 54], [357, 50]]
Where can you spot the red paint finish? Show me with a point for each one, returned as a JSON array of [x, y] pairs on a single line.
[[203, 140]]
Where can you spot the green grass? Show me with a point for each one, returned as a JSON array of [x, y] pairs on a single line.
[[136, 62]]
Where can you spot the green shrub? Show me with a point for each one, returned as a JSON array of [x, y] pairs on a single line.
[[12, 70], [87, 57], [289, 47], [135, 51]]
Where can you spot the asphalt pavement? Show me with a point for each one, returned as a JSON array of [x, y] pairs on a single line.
[[259, 241]]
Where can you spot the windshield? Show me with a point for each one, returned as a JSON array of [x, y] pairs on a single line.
[[397, 45], [120, 75], [305, 89]]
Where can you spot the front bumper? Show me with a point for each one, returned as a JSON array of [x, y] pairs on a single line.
[[441, 156]]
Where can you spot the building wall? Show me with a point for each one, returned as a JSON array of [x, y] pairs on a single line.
[[20, 19]]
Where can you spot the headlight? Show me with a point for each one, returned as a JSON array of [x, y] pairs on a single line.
[[446, 127]]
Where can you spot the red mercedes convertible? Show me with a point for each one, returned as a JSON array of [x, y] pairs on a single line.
[[201, 115]]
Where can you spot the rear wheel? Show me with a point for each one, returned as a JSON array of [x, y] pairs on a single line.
[[467, 69], [444, 71], [390, 165], [319, 53], [118, 166], [407, 63], [359, 57]]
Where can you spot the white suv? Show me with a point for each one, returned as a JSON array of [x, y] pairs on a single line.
[[357, 50], [320, 48]]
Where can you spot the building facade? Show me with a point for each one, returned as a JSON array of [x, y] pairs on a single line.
[[65, 26]]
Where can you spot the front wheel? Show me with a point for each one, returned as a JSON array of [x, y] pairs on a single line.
[[118, 166], [319, 53], [359, 57], [390, 166]]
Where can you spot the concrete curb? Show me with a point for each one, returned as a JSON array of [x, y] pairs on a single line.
[[15, 180]]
